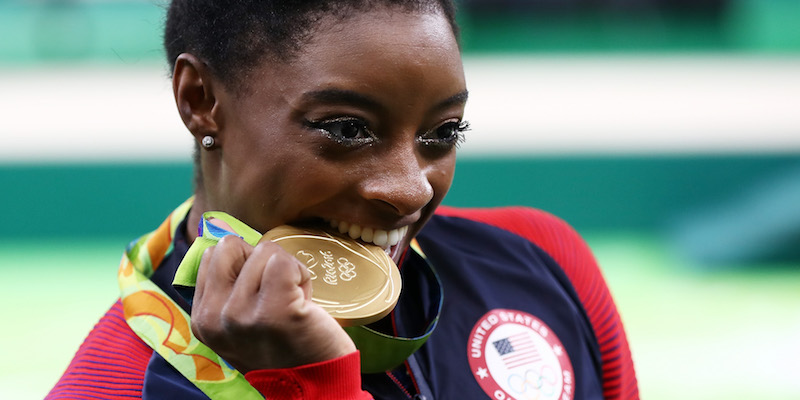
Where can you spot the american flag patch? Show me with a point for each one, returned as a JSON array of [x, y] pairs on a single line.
[[517, 350]]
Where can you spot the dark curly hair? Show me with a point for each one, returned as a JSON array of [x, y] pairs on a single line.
[[233, 36]]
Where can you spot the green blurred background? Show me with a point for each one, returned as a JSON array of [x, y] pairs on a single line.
[[666, 131]]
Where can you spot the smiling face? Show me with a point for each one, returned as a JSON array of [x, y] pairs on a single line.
[[358, 131]]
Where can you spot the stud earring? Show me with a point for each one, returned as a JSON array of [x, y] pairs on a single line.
[[207, 142]]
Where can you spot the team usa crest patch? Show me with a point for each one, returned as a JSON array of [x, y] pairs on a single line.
[[514, 355]]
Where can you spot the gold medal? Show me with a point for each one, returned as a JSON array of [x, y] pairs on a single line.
[[354, 282]]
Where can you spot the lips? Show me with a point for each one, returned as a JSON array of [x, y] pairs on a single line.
[[385, 239]]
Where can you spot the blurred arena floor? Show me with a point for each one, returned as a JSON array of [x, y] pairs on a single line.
[[726, 334]]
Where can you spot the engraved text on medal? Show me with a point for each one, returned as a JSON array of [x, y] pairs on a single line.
[[342, 268]]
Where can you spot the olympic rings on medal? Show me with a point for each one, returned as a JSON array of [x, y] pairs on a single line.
[[347, 269]]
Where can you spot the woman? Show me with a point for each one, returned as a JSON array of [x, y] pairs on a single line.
[[346, 113]]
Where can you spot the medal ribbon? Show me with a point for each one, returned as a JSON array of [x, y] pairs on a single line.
[[379, 352], [164, 325], [161, 323]]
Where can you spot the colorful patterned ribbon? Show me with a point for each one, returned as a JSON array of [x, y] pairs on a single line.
[[161, 323], [164, 325]]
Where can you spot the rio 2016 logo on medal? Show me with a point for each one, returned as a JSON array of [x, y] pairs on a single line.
[[355, 282], [514, 355]]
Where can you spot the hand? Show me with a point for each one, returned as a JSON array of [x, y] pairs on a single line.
[[252, 306]]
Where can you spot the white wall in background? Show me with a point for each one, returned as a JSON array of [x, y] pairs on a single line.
[[635, 104], [530, 105]]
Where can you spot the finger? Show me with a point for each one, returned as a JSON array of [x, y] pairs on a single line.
[[249, 282], [219, 269], [206, 259], [305, 279], [201, 272], [201, 314], [285, 277]]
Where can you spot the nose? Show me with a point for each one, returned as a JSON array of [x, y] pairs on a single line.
[[398, 181]]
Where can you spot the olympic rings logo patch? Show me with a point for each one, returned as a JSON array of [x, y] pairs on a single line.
[[515, 356]]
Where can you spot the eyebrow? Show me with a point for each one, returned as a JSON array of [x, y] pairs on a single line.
[[360, 100], [457, 99], [341, 96]]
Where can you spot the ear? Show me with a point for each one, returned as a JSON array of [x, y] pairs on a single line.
[[193, 87]]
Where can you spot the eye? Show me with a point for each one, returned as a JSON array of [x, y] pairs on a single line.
[[447, 135], [347, 131]]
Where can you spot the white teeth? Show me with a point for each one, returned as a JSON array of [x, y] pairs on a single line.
[[394, 237], [379, 237], [367, 234], [354, 232]]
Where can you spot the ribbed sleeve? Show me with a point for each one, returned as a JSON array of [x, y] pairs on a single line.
[[337, 379], [110, 363], [568, 249]]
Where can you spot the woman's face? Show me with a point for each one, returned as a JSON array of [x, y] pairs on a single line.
[[359, 131]]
